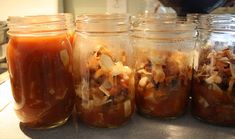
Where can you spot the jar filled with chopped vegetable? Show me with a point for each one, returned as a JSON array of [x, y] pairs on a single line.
[[214, 73], [163, 70], [104, 79]]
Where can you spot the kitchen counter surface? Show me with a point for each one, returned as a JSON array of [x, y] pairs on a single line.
[[185, 127]]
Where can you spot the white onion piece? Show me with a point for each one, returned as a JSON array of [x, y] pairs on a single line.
[[87, 105], [51, 91], [106, 85], [231, 84], [157, 60], [118, 69], [143, 71], [203, 102], [216, 88], [83, 91], [98, 73], [104, 90], [214, 79], [127, 108], [143, 81], [196, 56], [60, 96], [158, 74], [21, 104], [232, 69], [99, 101], [64, 56], [106, 62]]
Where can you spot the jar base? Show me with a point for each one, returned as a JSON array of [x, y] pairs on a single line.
[[105, 126], [146, 115], [211, 122], [54, 125]]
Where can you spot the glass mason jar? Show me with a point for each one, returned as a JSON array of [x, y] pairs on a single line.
[[164, 49], [70, 25], [103, 70], [214, 73], [39, 57]]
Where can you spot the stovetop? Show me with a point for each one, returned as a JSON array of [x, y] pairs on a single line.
[[3, 72]]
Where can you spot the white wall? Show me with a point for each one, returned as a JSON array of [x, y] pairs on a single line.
[[99, 6], [29, 7]]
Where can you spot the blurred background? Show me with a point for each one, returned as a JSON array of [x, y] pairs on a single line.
[[182, 7], [133, 7]]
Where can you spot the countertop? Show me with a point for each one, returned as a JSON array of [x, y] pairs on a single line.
[[185, 127]]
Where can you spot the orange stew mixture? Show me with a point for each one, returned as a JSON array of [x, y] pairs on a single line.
[[41, 79]]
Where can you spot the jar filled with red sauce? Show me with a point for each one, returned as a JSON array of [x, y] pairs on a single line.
[[164, 47], [103, 70], [39, 57], [213, 97]]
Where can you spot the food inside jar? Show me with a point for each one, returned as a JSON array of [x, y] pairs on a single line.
[[163, 82], [213, 87], [105, 97], [41, 79]]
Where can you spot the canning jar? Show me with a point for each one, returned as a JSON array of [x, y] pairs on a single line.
[[70, 26], [103, 57], [39, 57], [164, 49], [214, 73]]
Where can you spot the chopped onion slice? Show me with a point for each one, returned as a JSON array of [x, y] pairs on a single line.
[[143, 71], [127, 108], [143, 81], [118, 69], [61, 95], [216, 88], [98, 73], [64, 56], [104, 90], [100, 101], [231, 84], [203, 102], [158, 74], [232, 68], [214, 79], [157, 60], [106, 62]]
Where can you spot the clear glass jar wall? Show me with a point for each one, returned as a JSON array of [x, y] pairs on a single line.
[[164, 59], [70, 25], [39, 57], [214, 74], [103, 74]]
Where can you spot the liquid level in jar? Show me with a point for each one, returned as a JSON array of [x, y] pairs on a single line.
[[41, 79]]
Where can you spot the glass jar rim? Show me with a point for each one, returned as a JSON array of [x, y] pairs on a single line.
[[100, 16], [37, 24], [217, 22], [162, 23], [103, 23]]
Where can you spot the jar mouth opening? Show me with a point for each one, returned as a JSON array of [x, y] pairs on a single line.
[[217, 22], [103, 23], [36, 19], [37, 24], [106, 16], [161, 23], [166, 40]]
